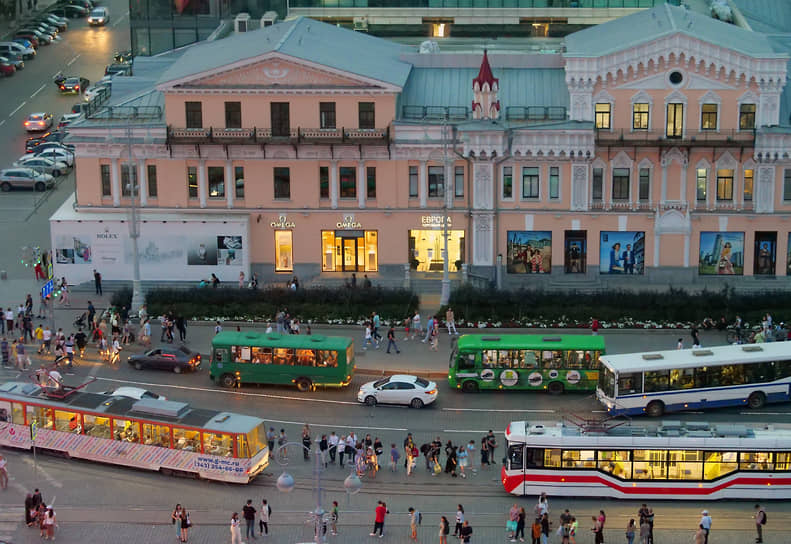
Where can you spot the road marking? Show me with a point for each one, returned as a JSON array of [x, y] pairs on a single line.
[[41, 472], [335, 426], [19, 107], [38, 91], [233, 392], [493, 410], [72, 61], [2, 122], [751, 412], [16, 485]]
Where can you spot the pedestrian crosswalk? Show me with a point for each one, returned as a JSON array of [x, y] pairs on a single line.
[[10, 519]]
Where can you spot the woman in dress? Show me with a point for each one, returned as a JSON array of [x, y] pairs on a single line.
[[236, 531], [186, 523], [49, 524], [176, 517], [444, 530]]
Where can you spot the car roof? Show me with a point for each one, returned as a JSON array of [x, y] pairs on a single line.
[[403, 378], [37, 114]]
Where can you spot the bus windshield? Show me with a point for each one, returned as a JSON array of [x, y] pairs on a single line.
[[607, 382], [256, 439]]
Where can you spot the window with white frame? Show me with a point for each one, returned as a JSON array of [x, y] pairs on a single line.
[[554, 182], [530, 182], [603, 115], [746, 116], [640, 116], [708, 117], [620, 184], [724, 184], [748, 185], [597, 187], [701, 177], [508, 182], [644, 188]]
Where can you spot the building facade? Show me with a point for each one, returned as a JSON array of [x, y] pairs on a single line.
[[650, 151]]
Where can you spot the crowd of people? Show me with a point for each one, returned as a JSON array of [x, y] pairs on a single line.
[[38, 514]]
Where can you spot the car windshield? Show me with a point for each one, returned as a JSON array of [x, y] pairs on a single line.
[[98, 12], [381, 382], [36, 117], [72, 81], [421, 382]]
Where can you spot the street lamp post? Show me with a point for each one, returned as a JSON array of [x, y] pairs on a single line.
[[134, 226], [445, 293]]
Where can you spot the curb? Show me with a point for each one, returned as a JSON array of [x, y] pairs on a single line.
[[392, 371]]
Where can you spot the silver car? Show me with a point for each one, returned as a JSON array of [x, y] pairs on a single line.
[[11, 178], [45, 165]]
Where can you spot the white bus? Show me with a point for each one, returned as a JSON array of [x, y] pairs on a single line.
[[675, 461], [656, 382]]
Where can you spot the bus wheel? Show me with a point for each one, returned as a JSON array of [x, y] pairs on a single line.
[[469, 386], [370, 400], [655, 408], [756, 400], [555, 388], [227, 380], [303, 384]]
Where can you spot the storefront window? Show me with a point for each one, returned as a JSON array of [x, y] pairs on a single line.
[[284, 258], [426, 248], [350, 251]]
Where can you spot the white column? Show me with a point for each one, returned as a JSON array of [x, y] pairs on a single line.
[[334, 184], [115, 182], [203, 188], [663, 192], [657, 239], [142, 183], [449, 181], [230, 183], [684, 166], [423, 183], [361, 184], [686, 250]]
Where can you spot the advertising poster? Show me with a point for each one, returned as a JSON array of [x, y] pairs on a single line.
[[229, 250], [721, 253], [765, 253], [73, 250], [202, 251], [529, 252], [622, 252]]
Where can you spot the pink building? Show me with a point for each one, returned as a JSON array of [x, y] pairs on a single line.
[[655, 146]]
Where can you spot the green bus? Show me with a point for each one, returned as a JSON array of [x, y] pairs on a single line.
[[307, 361], [552, 363]]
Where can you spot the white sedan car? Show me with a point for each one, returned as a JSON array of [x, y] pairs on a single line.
[[55, 153], [43, 164], [134, 393], [398, 389]]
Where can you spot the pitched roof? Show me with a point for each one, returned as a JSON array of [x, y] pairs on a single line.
[[485, 73], [301, 38], [662, 21]]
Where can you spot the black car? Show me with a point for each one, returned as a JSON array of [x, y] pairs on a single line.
[[174, 359], [79, 107], [120, 68], [122, 57], [52, 136], [72, 84]]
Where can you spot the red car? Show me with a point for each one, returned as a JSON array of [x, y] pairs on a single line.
[[29, 36], [7, 69]]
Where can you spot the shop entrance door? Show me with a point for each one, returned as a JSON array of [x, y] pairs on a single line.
[[349, 254]]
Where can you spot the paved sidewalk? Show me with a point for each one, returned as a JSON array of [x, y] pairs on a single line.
[[8, 25]]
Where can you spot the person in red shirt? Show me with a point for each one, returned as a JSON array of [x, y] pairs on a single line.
[[594, 326], [379, 518]]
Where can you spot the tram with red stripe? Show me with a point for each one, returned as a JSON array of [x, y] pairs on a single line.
[[675, 460]]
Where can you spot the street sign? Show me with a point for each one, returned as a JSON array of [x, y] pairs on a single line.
[[33, 431], [47, 289]]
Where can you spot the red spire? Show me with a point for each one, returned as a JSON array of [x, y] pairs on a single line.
[[485, 74]]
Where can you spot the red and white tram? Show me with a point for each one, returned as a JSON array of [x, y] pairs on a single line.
[[673, 461]]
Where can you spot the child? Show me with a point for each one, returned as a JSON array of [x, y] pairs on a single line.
[[536, 531], [394, 457]]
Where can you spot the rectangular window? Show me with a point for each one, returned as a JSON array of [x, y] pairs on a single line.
[[284, 251], [104, 174], [156, 435], [746, 116], [216, 182], [233, 115], [324, 182], [366, 115], [701, 177], [413, 181], [436, 181], [327, 114], [748, 185], [458, 182], [787, 184], [282, 179], [603, 113], [194, 113], [151, 178], [238, 178], [508, 182], [640, 116], [724, 184], [675, 120], [620, 184], [348, 175], [708, 117], [554, 182], [370, 182], [719, 463], [127, 179], [280, 119], [616, 462], [645, 183], [597, 191], [530, 182], [192, 182]]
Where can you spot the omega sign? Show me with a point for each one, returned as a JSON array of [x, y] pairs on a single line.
[[348, 223], [282, 223]]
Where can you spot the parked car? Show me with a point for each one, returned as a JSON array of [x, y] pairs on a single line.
[[48, 137], [95, 90], [398, 389], [67, 118], [175, 359], [42, 26], [14, 48], [36, 122], [28, 35], [42, 164], [79, 107], [73, 85], [12, 178], [61, 23], [7, 69], [54, 151], [99, 16], [85, 4], [70, 11], [26, 43], [123, 56], [14, 60], [42, 37], [134, 393], [122, 68]]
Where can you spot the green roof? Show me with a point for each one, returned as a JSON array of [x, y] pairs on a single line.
[[660, 22], [530, 341], [275, 340]]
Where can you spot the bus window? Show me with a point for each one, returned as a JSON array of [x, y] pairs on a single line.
[[41, 415], [17, 413], [261, 356], [629, 384], [284, 356], [529, 359], [126, 429], [592, 359], [657, 380], [515, 455], [616, 462], [535, 457], [782, 461], [240, 354], [579, 458], [466, 361], [650, 464], [97, 426], [489, 358], [719, 463], [156, 435], [756, 461], [552, 359], [67, 421], [575, 359], [733, 375], [683, 378], [685, 465], [350, 355], [186, 439], [218, 444], [782, 369], [220, 355], [327, 358], [505, 358], [552, 458], [306, 357], [759, 372]]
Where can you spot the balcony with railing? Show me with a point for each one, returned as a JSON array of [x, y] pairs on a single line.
[[242, 136], [702, 138], [455, 114]]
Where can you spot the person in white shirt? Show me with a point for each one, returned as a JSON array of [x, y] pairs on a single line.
[[217, 328], [333, 443], [3, 473], [351, 442], [236, 530]]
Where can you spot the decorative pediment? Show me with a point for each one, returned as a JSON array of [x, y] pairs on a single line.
[[642, 97], [603, 96], [727, 161], [622, 160], [676, 97], [710, 98], [693, 82]]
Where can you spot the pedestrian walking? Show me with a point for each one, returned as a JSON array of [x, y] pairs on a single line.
[[598, 535], [594, 326], [407, 323], [379, 519], [535, 531], [306, 442], [429, 329], [97, 282], [450, 322], [491, 446], [645, 531], [391, 340], [416, 327], [270, 440], [375, 323], [463, 460], [324, 445], [413, 523], [695, 334], [3, 473], [241, 280], [236, 531], [459, 520], [444, 530], [281, 443], [341, 450], [178, 513], [434, 339], [369, 338], [181, 325], [333, 445], [630, 530], [466, 532], [760, 521], [705, 522], [545, 523], [263, 518], [50, 521], [334, 519], [248, 511], [186, 523], [519, 527], [680, 344]]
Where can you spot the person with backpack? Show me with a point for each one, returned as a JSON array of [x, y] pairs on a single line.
[[415, 518], [263, 518], [444, 530], [760, 521]]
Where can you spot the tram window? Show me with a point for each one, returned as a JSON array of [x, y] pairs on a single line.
[[261, 356], [529, 359], [489, 358], [186, 439], [242, 447], [17, 413], [552, 458], [616, 462], [67, 421], [329, 358], [759, 372], [41, 415], [126, 430], [782, 461], [649, 464], [579, 459], [466, 361], [306, 357], [515, 457], [685, 464], [96, 426], [719, 463], [5, 411], [218, 444], [284, 356], [682, 378], [535, 457], [756, 461], [658, 380], [629, 384], [156, 435]]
